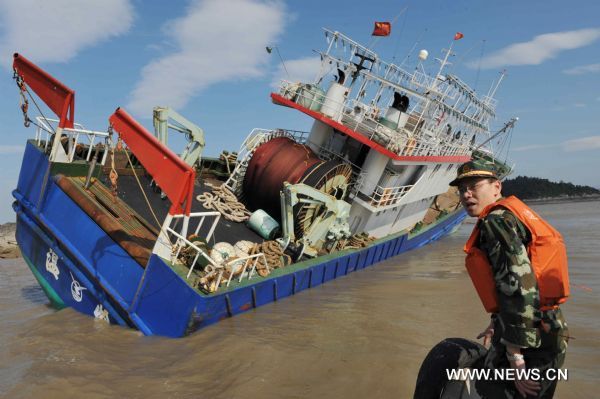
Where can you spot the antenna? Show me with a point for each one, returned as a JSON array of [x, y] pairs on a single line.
[[479, 65], [413, 48], [443, 63], [270, 50], [508, 125], [493, 91]]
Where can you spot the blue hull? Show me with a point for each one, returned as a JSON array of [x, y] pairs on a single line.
[[79, 265]]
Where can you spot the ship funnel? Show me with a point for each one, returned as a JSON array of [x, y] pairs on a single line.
[[396, 116]]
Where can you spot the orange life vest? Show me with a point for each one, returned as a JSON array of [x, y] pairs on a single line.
[[546, 251]]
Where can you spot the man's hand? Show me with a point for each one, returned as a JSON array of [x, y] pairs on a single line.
[[487, 334], [525, 387]]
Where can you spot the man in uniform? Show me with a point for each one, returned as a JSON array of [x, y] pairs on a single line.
[[524, 334]]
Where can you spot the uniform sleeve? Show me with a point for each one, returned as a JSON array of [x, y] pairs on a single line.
[[503, 238]]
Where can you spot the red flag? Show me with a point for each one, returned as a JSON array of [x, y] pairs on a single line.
[[458, 36], [382, 29]]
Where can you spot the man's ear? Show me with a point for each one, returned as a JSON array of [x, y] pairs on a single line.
[[498, 184]]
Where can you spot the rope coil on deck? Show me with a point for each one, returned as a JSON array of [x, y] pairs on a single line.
[[274, 256], [359, 240], [222, 200]]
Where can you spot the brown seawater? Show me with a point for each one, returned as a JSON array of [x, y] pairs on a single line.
[[363, 335]]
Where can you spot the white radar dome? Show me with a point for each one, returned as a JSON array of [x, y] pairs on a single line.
[[423, 54]]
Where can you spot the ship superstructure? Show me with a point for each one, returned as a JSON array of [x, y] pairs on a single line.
[[403, 133]]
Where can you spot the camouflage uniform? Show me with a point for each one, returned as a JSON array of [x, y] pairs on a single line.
[[504, 239]]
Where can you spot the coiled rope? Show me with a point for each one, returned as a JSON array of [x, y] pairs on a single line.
[[222, 200]]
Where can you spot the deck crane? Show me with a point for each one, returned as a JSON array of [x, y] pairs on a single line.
[[165, 118]]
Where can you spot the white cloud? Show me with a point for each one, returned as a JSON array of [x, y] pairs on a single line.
[[541, 48], [11, 149], [573, 145], [580, 70], [582, 144], [533, 147], [300, 70], [54, 31], [580, 105], [216, 41]]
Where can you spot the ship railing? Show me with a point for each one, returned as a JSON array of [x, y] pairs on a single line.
[[182, 236], [385, 196], [46, 127], [164, 246], [357, 116], [421, 79], [227, 271], [366, 120], [489, 101], [213, 270]]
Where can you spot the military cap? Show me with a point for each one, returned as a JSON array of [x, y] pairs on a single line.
[[475, 168]]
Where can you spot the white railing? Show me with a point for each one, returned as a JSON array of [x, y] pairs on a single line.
[[385, 196], [364, 119], [422, 80], [49, 126], [218, 273], [167, 233], [415, 139], [167, 250]]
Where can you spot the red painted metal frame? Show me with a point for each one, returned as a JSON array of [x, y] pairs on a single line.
[[173, 176], [58, 97], [278, 99]]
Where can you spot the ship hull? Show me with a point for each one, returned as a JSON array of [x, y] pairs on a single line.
[[78, 265]]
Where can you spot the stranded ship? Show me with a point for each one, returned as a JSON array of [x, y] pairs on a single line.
[[117, 226]]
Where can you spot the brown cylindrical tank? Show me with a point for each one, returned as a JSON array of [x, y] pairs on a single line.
[[281, 160], [273, 163]]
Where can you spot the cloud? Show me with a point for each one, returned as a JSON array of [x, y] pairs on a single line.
[[541, 48], [216, 41], [300, 70], [11, 149], [582, 69], [582, 144], [54, 31], [534, 147]]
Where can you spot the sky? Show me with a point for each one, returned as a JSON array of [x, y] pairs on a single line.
[[207, 60]]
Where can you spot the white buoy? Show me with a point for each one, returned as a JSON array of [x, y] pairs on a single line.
[[221, 252]]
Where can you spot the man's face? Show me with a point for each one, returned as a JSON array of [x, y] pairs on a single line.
[[478, 192]]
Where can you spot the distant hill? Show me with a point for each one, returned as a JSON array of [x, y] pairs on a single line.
[[533, 187]]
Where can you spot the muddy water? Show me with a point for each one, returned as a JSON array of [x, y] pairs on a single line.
[[360, 336]]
